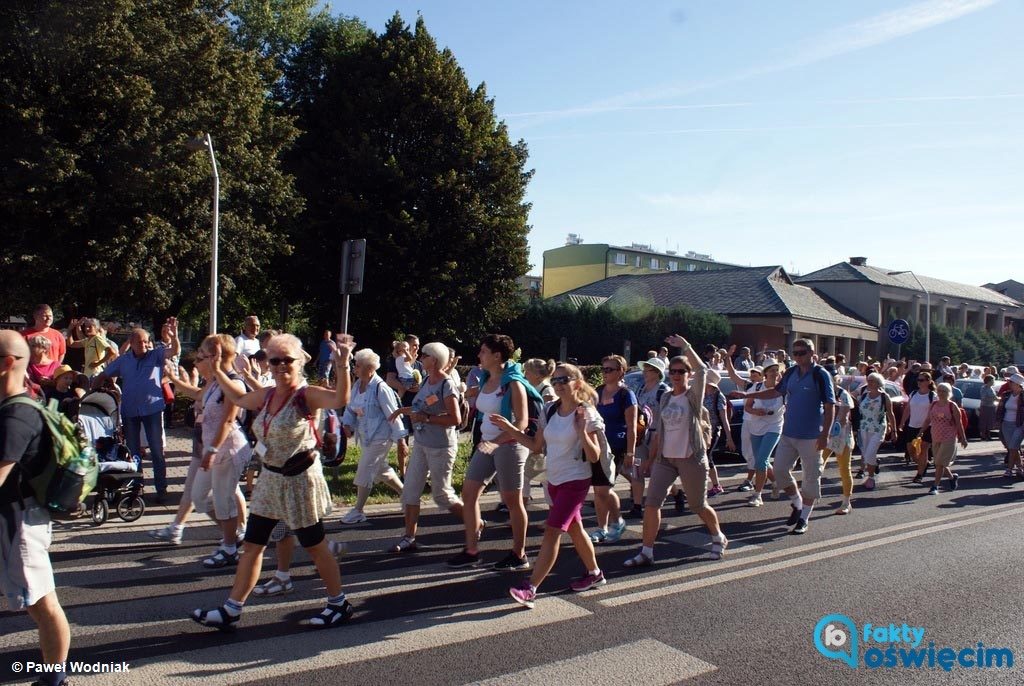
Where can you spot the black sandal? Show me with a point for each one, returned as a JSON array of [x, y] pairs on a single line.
[[331, 615], [218, 618]]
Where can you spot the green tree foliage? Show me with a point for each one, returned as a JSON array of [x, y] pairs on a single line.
[[273, 28], [593, 332], [397, 148], [100, 202], [970, 346]]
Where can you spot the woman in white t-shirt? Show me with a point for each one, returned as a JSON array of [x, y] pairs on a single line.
[[763, 420], [1010, 415], [571, 437], [918, 405], [680, 450]]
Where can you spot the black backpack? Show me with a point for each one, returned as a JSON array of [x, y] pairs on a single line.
[[817, 378]]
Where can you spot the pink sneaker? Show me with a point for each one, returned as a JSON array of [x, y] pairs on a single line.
[[523, 594], [715, 490], [585, 583]]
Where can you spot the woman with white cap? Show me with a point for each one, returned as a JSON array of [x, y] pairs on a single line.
[[370, 417], [1010, 417], [718, 408], [434, 413], [763, 421], [756, 374], [648, 398]]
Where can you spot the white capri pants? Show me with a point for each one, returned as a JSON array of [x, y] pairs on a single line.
[[217, 488], [870, 442], [746, 447], [373, 463]]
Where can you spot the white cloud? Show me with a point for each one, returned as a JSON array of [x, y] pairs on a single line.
[[859, 35]]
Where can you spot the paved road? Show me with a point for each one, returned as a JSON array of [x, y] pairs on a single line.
[[948, 563]]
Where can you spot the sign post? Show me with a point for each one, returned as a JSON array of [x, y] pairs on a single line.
[[353, 262], [899, 333]]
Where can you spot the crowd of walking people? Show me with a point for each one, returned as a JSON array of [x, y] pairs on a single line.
[[255, 412]]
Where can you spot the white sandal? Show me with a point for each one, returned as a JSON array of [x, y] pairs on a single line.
[[273, 587], [331, 615], [640, 560]]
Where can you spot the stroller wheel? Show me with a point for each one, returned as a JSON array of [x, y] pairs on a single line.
[[131, 508], [99, 511]]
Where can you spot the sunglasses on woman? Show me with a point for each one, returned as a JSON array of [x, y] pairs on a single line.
[[679, 371], [610, 370], [276, 361], [557, 380]]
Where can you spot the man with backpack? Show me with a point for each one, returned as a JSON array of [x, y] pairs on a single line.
[[26, 576], [810, 409]]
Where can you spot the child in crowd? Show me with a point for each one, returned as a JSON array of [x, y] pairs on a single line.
[[404, 364]]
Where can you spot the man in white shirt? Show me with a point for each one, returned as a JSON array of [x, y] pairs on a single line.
[[248, 342]]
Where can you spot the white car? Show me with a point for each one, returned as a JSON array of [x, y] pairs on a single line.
[[971, 388]]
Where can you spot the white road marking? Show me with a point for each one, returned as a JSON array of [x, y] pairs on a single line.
[[647, 662], [226, 664], [702, 541], [640, 580], [807, 559], [368, 588]]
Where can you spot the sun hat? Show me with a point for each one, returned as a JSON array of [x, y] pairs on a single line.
[[655, 364]]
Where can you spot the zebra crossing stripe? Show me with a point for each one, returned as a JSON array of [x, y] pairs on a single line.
[[646, 661]]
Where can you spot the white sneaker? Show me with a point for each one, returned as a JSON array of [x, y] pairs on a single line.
[[337, 548], [353, 516], [167, 535], [844, 508], [755, 501]]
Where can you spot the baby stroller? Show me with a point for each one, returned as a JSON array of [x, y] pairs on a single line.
[[119, 486]]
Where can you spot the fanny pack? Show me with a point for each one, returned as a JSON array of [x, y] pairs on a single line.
[[296, 464]]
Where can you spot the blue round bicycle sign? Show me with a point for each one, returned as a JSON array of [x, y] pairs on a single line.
[[899, 331]]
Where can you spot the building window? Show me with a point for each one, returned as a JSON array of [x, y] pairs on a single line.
[[654, 263], [673, 266], [637, 262], [620, 258], [691, 267]]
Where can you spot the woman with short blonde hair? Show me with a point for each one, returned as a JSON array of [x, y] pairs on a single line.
[[946, 425], [292, 486]]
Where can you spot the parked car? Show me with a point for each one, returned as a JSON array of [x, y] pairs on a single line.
[[971, 388]]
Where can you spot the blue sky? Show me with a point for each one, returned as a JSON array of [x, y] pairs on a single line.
[[792, 133]]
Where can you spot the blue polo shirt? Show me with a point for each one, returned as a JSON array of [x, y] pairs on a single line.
[[804, 397], [141, 394]]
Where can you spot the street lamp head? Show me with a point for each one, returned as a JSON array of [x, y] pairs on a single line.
[[196, 143]]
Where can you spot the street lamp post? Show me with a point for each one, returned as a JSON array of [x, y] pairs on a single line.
[[927, 319], [195, 144]]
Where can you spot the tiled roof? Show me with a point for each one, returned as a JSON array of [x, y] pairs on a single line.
[[844, 271], [736, 292]]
